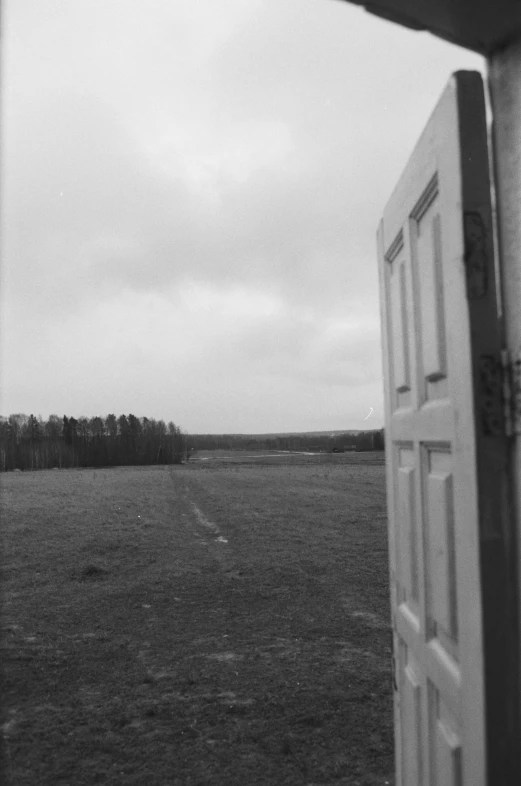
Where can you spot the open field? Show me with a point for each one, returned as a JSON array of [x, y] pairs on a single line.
[[223, 622], [306, 457]]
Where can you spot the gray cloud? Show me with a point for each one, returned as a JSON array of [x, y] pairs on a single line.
[[86, 204], [197, 187]]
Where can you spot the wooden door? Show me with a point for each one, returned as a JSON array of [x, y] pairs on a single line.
[[445, 452]]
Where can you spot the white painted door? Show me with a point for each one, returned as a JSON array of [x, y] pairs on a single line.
[[444, 447]]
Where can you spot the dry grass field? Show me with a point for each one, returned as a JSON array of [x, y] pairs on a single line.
[[223, 622]]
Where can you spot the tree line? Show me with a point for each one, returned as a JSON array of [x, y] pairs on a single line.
[[29, 442], [349, 440]]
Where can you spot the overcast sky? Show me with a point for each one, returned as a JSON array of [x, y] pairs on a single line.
[[191, 192]]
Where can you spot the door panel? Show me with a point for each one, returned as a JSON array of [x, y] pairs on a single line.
[[438, 320]]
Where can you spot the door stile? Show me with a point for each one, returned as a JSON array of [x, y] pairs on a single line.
[[417, 400], [390, 492], [496, 522], [438, 439]]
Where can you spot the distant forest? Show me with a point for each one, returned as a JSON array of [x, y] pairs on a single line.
[[312, 441], [28, 442]]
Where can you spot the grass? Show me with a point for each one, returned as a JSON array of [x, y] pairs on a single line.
[[223, 622]]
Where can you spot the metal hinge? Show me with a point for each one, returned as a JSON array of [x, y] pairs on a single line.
[[511, 391]]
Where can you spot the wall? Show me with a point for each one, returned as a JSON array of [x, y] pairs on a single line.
[[505, 94]]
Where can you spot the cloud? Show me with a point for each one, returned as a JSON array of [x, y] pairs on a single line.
[[191, 195], [86, 204], [207, 359]]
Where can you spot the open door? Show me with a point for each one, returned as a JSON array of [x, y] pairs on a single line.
[[446, 455]]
